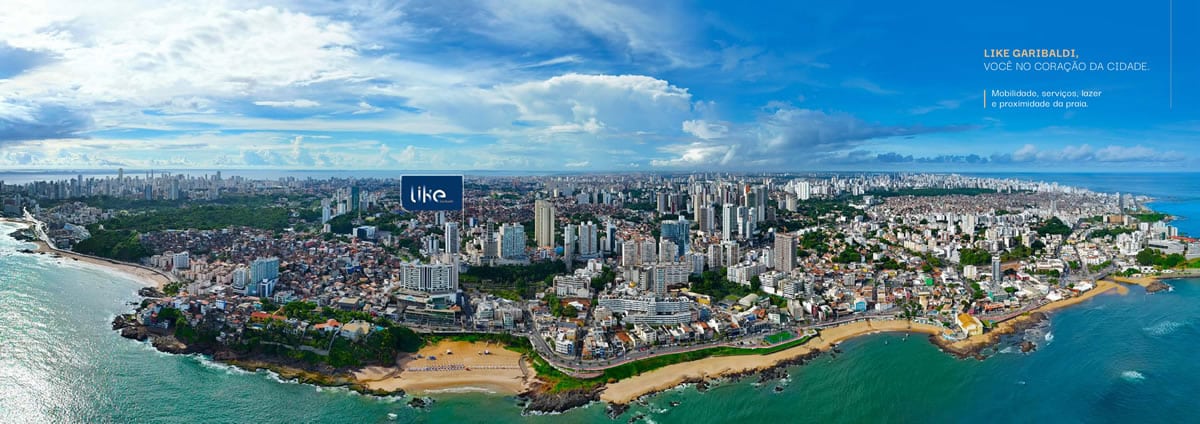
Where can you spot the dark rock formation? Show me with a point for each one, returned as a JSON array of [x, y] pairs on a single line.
[[150, 292], [1157, 286], [615, 410], [1027, 346], [542, 401], [420, 403]]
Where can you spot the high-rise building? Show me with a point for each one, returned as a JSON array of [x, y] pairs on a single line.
[[610, 236], [326, 212], [667, 250], [453, 238], [629, 253], [785, 252], [543, 223], [264, 272], [745, 221], [355, 198], [996, 273], [646, 250], [661, 202], [589, 246], [433, 278], [570, 242], [180, 260], [677, 231], [804, 190], [241, 277], [512, 241], [728, 221]]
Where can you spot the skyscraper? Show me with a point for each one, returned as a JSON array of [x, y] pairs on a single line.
[[264, 269], [570, 242], [728, 221], [996, 273], [354, 198], [512, 241], [785, 252], [453, 238], [543, 223], [610, 236], [677, 231], [589, 245]]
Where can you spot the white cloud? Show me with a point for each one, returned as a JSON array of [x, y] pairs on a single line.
[[705, 130], [298, 103], [579, 164], [618, 102]]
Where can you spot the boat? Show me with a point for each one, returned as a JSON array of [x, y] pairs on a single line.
[[392, 416]]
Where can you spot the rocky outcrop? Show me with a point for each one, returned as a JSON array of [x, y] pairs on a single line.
[[1157, 286], [1028, 346], [541, 401], [151, 292], [169, 344]]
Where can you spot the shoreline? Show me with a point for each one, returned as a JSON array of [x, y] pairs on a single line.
[[629, 390], [147, 276]]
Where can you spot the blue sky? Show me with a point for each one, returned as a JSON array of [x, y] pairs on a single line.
[[587, 86]]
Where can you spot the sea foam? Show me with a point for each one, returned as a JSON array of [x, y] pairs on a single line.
[[1163, 328], [1133, 376]]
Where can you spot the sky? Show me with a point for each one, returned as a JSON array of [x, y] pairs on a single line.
[[589, 86]]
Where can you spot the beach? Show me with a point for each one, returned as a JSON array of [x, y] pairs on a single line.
[[467, 368], [628, 390], [149, 276]]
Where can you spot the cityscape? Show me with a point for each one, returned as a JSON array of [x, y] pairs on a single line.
[[595, 275], [602, 211]]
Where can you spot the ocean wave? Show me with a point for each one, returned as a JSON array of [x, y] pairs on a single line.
[[464, 389], [1133, 376], [1049, 337], [217, 366], [1163, 328]]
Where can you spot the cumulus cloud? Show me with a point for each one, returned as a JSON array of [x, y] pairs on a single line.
[[705, 130], [618, 102], [579, 164]]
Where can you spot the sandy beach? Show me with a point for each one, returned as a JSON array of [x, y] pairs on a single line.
[[151, 277], [626, 391], [467, 368]]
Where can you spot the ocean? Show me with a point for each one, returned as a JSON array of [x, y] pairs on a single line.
[[1110, 359]]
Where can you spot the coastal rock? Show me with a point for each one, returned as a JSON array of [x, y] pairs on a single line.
[[150, 292], [615, 410], [541, 401], [1027, 346], [169, 344], [419, 403], [1157, 286], [135, 333], [702, 386], [778, 389]]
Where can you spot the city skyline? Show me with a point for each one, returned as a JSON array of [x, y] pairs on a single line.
[[568, 87]]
